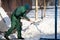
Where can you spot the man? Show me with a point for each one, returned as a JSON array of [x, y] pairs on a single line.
[[16, 20]]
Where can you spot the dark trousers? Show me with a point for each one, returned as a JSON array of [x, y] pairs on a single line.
[[15, 25]]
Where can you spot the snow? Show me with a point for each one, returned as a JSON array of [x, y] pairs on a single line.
[[45, 29], [5, 22], [5, 17]]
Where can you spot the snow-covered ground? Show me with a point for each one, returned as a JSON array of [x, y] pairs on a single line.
[[44, 29]]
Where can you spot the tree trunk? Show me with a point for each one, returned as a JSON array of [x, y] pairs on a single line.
[[36, 10]]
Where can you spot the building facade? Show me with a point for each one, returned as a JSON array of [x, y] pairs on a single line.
[[10, 5]]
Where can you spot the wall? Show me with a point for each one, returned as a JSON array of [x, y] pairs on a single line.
[[10, 5]]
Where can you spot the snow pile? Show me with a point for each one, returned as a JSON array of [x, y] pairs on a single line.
[[5, 17]]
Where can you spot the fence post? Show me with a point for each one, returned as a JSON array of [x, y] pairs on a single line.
[[56, 4], [36, 10], [44, 8]]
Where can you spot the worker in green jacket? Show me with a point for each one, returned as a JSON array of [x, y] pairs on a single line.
[[16, 20]]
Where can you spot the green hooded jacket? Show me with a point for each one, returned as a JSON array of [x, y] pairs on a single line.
[[18, 13]]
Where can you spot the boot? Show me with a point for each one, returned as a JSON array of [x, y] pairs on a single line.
[[6, 37], [21, 38]]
